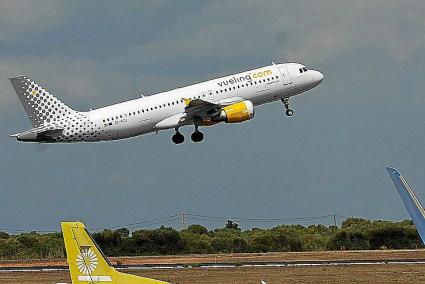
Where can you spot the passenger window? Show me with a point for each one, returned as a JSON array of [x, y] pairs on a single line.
[[305, 69]]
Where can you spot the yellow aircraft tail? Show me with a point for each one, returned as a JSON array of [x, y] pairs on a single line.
[[88, 264]]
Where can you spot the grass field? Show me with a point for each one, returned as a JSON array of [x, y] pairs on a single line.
[[388, 273]]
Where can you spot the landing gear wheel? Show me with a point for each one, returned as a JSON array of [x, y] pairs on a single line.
[[289, 112], [197, 136], [178, 138]]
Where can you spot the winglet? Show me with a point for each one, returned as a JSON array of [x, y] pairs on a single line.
[[413, 206]]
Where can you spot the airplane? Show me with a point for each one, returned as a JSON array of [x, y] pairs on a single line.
[[88, 264], [413, 206], [229, 99]]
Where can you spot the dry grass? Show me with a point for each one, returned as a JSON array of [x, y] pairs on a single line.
[[388, 273]]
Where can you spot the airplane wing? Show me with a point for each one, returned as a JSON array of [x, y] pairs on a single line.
[[413, 206], [200, 108], [39, 134], [195, 109]]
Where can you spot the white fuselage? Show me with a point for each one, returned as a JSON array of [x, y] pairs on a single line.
[[140, 116]]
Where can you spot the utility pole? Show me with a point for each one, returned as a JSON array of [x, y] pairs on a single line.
[[182, 221], [334, 220]]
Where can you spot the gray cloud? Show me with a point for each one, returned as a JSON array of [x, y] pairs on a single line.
[[339, 27], [19, 18], [329, 158]]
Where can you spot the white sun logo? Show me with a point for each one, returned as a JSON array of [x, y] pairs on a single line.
[[87, 261]]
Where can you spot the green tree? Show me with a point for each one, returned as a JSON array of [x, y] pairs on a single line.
[[197, 229], [124, 232], [4, 235], [350, 240], [232, 225], [196, 243]]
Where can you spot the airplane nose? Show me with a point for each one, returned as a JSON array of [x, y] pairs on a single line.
[[317, 77]]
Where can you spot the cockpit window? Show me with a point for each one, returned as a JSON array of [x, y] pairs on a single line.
[[303, 69]]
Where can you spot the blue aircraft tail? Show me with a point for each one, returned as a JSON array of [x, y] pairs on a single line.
[[413, 206]]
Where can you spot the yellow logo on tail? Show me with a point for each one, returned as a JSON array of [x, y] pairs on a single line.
[[87, 261]]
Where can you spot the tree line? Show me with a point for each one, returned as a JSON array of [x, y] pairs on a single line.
[[353, 234]]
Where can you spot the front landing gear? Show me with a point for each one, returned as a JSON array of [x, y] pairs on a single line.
[[178, 138], [288, 112], [197, 136]]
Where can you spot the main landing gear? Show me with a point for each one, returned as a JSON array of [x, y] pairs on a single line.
[[288, 112], [178, 138], [196, 136]]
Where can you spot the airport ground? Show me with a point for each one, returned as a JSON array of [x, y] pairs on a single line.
[[389, 266], [385, 273]]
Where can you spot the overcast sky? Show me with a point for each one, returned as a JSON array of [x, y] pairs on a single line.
[[368, 113]]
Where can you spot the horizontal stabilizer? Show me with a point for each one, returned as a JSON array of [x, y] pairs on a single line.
[[413, 206], [38, 134]]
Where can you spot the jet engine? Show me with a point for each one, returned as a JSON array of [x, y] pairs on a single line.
[[234, 113]]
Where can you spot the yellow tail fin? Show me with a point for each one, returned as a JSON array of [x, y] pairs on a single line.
[[88, 264]]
